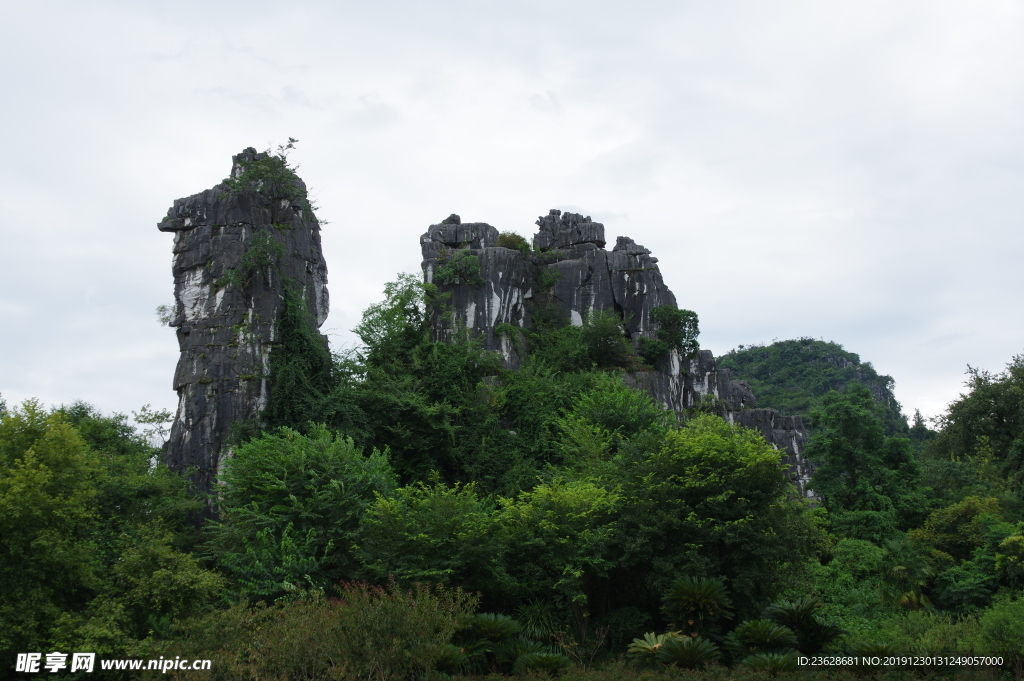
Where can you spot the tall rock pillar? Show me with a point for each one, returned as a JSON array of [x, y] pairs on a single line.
[[238, 248]]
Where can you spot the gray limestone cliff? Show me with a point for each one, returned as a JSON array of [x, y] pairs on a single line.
[[570, 270], [237, 247]]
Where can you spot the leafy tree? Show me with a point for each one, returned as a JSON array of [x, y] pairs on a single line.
[[302, 373], [150, 585], [868, 480], [566, 528], [1002, 628], [849, 581], [982, 435], [992, 409], [290, 506], [711, 500], [623, 411], [957, 530], [677, 330], [429, 533], [604, 338], [462, 268], [93, 534], [47, 509]]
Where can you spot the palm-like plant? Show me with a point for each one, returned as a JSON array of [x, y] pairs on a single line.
[[688, 652], [772, 663], [800, 616], [760, 636], [694, 603], [870, 649], [650, 644], [451, 659], [551, 663], [906, 572], [494, 627], [485, 630], [510, 650]]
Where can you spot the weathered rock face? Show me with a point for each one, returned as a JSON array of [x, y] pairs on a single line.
[[571, 271], [236, 248]]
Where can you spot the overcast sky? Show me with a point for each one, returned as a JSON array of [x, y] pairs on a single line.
[[852, 171]]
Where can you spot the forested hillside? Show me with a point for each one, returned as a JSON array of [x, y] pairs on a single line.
[[414, 510], [790, 375]]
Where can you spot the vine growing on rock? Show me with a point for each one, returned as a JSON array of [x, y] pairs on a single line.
[[263, 254], [463, 268]]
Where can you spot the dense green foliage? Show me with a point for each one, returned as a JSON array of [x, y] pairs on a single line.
[[290, 507], [95, 549], [588, 521], [870, 481], [791, 375], [677, 330]]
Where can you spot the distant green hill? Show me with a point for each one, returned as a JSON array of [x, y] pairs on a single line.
[[790, 375]]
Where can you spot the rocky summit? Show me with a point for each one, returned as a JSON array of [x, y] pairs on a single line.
[[570, 271], [239, 247]]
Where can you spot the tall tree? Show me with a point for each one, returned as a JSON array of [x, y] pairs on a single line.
[[869, 481]]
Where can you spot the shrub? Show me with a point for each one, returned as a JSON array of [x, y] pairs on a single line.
[[515, 242], [372, 633], [463, 268], [605, 340], [1002, 628], [677, 330]]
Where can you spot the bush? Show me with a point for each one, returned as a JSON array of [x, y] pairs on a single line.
[[1002, 628], [605, 340], [463, 268], [371, 633], [515, 242]]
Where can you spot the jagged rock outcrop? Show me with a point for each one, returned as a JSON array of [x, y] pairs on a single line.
[[491, 288], [237, 247]]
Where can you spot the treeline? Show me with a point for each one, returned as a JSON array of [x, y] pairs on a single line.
[[413, 510]]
